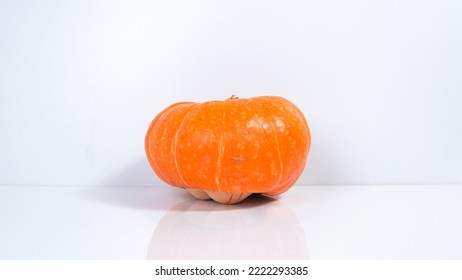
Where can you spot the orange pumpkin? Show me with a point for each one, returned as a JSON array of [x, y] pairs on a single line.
[[227, 150]]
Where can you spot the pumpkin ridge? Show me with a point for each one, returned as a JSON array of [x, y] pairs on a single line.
[[175, 143], [276, 139], [302, 118], [230, 198], [220, 148], [163, 116], [147, 144]]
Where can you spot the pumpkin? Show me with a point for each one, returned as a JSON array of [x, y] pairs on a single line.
[[226, 150]]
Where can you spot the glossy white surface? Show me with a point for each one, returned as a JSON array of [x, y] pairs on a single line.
[[316, 222]]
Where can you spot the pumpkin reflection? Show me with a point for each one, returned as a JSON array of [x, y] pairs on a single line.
[[259, 228]]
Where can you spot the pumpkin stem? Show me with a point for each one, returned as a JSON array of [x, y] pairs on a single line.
[[232, 97]]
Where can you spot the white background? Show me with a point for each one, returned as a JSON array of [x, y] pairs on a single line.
[[380, 83]]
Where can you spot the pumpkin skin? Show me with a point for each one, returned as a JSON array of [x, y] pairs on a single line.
[[227, 150]]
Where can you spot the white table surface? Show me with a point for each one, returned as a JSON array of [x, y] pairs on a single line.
[[307, 222]]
